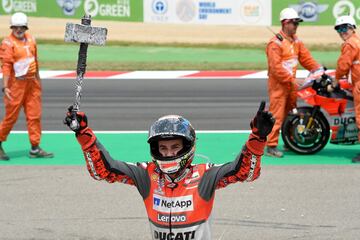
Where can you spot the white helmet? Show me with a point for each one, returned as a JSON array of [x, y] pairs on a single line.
[[289, 14], [345, 20], [19, 19]]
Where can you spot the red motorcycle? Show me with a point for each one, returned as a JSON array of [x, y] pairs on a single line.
[[307, 128]]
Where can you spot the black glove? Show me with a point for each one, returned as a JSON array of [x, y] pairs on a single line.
[[263, 122], [76, 121]]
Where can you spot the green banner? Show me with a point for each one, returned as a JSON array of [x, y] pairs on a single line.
[[121, 10], [317, 12]]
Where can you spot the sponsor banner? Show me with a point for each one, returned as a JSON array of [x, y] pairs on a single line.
[[317, 12], [226, 12], [122, 10]]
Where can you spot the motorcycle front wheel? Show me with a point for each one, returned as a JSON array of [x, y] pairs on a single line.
[[304, 140]]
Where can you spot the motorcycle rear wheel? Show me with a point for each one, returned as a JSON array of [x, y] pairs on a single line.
[[308, 142]]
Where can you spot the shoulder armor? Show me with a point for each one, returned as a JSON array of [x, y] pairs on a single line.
[[143, 165]]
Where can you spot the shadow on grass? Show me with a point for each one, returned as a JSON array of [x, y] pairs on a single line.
[[331, 153], [18, 154]]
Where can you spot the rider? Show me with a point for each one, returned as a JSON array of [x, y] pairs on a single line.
[[284, 51], [349, 63], [177, 194]]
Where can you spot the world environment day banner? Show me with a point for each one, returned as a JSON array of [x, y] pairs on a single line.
[[122, 10], [226, 12]]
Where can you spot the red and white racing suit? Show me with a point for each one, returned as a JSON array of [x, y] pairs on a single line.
[[179, 208]]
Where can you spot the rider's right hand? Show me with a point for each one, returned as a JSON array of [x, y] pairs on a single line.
[[76, 121]]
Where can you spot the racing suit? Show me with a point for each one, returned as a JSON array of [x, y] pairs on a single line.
[[349, 64], [283, 54], [179, 208], [20, 64]]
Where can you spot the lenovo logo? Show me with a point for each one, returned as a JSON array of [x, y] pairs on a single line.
[[174, 218]]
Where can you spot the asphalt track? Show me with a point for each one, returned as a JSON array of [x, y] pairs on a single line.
[[62, 202], [133, 104]]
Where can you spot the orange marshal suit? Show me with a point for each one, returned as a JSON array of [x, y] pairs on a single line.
[[19, 62], [283, 57], [349, 64]]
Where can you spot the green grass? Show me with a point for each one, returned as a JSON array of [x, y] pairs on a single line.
[[138, 66], [316, 47], [122, 56], [214, 147]]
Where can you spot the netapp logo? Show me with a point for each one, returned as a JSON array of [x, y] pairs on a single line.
[[174, 236], [176, 204], [174, 218]]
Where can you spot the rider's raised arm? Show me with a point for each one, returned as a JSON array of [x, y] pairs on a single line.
[[101, 165], [246, 166]]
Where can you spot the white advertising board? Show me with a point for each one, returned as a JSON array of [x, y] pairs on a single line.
[[219, 12]]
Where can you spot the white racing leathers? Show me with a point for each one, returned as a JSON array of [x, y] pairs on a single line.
[[178, 209]]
